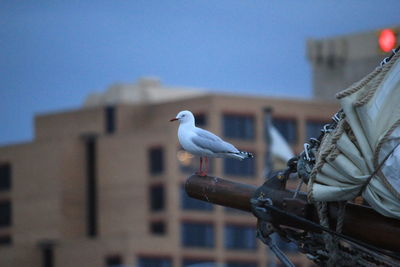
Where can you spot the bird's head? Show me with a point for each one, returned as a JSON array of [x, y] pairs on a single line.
[[184, 117]]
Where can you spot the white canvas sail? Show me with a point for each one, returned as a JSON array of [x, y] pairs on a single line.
[[362, 155]]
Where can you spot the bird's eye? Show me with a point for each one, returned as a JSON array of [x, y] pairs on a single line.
[[183, 115]]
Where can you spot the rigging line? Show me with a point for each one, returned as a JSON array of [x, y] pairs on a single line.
[[350, 239], [275, 249], [376, 170]]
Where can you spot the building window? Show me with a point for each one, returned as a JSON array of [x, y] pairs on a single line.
[[240, 168], [114, 261], [197, 235], [313, 128], [91, 185], [239, 126], [5, 240], [47, 254], [157, 228], [5, 177], [240, 264], [154, 262], [240, 237], [189, 203], [109, 114], [5, 213], [198, 263], [157, 198], [201, 119], [287, 128], [156, 160]]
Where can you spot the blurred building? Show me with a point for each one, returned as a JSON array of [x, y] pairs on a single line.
[[103, 185], [338, 62]]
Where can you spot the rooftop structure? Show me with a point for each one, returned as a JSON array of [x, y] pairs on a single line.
[[340, 61], [146, 90]]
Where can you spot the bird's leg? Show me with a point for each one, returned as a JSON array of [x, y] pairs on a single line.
[[206, 165], [200, 172]]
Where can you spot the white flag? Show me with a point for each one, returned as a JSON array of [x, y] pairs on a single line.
[[279, 147]]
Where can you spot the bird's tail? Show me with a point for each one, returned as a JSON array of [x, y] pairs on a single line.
[[244, 155]]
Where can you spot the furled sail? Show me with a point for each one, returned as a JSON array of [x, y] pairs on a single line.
[[361, 156]]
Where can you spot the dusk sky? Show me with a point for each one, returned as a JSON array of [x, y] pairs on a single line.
[[54, 53]]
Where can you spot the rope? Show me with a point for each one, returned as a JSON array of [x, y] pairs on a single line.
[[384, 139], [375, 84], [327, 147], [351, 135], [333, 155], [296, 192], [358, 85], [330, 244], [340, 218], [332, 241]]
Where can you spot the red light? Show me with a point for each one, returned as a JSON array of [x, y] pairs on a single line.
[[387, 40]]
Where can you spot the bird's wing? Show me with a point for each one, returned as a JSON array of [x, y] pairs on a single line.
[[209, 141]]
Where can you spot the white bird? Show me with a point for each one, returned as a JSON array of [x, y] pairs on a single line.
[[204, 143]]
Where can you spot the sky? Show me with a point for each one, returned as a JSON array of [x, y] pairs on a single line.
[[54, 53]]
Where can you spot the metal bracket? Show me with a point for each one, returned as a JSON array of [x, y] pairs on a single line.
[[265, 228]]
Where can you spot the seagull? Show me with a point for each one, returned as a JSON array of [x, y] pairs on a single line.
[[204, 143]]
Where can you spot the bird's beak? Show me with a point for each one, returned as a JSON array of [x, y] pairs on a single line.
[[174, 119]]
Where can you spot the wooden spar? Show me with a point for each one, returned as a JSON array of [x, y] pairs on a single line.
[[360, 222], [220, 191]]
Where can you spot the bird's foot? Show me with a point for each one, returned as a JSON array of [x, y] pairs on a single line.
[[201, 173]]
